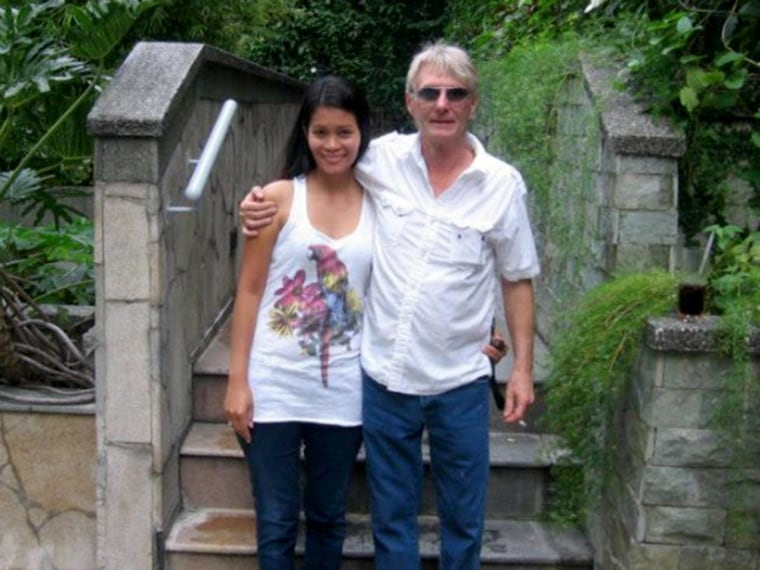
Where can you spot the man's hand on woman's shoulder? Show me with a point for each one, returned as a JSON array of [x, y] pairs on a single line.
[[255, 212]]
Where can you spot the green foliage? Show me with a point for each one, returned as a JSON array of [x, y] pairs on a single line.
[[227, 25], [591, 360], [734, 278], [518, 109], [734, 290], [353, 39], [519, 117], [696, 63], [53, 56], [52, 265], [368, 41]]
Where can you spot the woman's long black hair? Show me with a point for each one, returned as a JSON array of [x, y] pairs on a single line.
[[328, 91]]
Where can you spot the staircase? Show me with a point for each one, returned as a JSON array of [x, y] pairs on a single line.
[[215, 530]]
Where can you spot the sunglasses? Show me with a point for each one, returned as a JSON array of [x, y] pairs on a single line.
[[453, 94]]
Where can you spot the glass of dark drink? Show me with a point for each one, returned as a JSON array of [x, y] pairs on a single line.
[[691, 299]]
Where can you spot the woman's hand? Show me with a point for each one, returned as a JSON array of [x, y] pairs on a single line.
[[238, 407]]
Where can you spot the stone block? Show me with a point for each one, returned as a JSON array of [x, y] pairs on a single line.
[[710, 558], [54, 458], [69, 540], [128, 513], [19, 547], [676, 525], [695, 371], [650, 367], [684, 487], [134, 160], [639, 438], [642, 164], [690, 448], [127, 390], [648, 228], [637, 257], [127, 249], [624, 503], [691, 409], [651, 192], [643, 556], [610, 538]]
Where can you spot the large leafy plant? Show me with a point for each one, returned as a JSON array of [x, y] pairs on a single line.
[[53, 58], [53, 265]]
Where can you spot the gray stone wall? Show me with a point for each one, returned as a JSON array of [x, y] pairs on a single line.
[[614, 195], [165, 279], [667, 506]]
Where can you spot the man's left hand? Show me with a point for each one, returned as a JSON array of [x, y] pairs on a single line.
[[520, 396]]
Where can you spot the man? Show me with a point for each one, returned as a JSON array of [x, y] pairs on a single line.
[[450, 218]]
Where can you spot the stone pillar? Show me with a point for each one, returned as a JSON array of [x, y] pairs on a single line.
[[614, 193], [164, 279], [667, 506]]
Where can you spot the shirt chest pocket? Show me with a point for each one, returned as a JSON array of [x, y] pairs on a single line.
[[393, 216], [466, 246]]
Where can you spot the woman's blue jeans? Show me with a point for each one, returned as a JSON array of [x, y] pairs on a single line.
[[457, 425], [275, 469]]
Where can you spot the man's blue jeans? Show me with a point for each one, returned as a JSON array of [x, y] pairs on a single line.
[[274, 466], [457, 425]]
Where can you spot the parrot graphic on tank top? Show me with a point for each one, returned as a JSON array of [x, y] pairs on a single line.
[[322, 314]]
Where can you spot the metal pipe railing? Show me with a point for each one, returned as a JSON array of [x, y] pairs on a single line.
[[207, 160]]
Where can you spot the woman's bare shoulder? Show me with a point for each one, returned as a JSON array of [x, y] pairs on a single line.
[[281, 193], [278, 191]]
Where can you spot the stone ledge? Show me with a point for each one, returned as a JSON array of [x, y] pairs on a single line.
[[627, 127], [44, 400], [694, 334], [156, 76]]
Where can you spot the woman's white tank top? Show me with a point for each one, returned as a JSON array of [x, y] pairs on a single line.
[[304, 363]]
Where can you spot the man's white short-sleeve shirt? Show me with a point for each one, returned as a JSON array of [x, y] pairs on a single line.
[[431, 298]]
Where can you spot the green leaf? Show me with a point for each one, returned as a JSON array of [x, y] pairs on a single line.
[[728, 57], [689, 98], [756, 138], [97, 28], [737, 80], [750, 9], [26, 183], [684, 25], [698, 78]]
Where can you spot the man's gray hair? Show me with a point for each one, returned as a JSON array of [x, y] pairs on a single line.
[[444, 57]]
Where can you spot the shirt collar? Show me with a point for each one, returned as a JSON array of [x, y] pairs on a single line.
[[476, 167]]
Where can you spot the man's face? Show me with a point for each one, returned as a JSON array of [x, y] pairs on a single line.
[[441, 106]]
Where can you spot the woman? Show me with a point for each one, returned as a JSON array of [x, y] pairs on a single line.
[[294, 368]]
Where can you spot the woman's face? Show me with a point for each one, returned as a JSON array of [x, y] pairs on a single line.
[[334, 139]]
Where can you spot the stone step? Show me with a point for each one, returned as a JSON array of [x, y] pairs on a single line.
[[224, 539], [213, 473]]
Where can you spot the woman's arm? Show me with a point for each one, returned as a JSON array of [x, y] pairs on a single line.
[[254, 270]]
